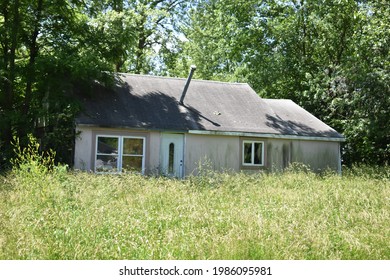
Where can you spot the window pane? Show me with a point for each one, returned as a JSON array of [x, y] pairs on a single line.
[[171, 158], [131, 164], [133, 146], [106, 163], [247, 152], [258, 153], [107, 145]]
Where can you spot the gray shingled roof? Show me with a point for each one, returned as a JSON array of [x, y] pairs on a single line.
[[149, 102]]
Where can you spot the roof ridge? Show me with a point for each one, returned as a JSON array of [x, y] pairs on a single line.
[[184, 79]]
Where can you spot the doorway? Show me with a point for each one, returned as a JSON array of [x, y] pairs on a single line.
[[172, 155]]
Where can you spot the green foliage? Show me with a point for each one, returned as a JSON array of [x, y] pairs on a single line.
[[113, 33], [47, 58], [368, 172], [29, 161], [295, 215], [218, 35], [141, 34], [332, 58]]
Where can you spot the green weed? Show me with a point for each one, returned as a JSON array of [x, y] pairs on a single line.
[[295, 215]]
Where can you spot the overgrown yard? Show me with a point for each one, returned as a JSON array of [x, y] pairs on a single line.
[[296, 215]]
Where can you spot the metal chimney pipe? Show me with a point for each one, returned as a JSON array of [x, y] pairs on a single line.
[[192, 70]]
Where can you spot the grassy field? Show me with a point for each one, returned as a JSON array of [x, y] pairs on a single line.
[[296, 215]]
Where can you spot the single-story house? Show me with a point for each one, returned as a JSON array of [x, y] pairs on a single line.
[[160, 125]]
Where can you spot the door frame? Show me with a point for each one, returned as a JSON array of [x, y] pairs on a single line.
[[178, 139]]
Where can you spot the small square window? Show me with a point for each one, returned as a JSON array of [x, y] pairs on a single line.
[[253, 153]]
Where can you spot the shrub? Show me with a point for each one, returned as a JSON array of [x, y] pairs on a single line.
[[29, 159]]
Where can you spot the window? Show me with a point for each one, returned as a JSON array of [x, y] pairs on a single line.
[[116, 154], [171, 158], [107, 154], [253, 153], [132, 154]]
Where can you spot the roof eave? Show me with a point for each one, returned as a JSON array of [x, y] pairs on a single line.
[[225, 133], [268, 135]]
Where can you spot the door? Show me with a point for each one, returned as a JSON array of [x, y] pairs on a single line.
[[171, 154]]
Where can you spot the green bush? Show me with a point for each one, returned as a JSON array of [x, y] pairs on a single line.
[[29, 160]]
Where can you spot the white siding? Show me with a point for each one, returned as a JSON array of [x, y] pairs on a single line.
[[221, 152]]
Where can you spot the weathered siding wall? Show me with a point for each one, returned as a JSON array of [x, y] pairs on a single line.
[[278, 154], [85, 146], [222, 152], [318, 155], [152, 153]]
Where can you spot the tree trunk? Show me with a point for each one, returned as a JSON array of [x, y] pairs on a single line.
[[33, 49], [11, 23]]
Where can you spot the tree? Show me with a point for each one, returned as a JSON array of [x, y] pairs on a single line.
[[329, 57], [332, 58], [45, 55], [368, 99], [217, 37]]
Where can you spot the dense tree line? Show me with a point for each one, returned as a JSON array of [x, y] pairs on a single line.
[[329, 56]]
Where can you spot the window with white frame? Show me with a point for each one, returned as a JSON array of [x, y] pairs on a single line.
[[252, 153], [116, 154]]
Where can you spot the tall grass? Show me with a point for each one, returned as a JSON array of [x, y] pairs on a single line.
[[55, 214], [60, 215]]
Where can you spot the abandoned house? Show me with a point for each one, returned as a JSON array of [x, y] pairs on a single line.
[[159, 125]]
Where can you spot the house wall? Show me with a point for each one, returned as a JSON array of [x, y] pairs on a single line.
[[278, 154], [153, 153], [318, 155], [225, 153], [85, 146], [218, 152]]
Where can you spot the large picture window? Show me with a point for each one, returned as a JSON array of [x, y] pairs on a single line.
[[253, 153], [115, 154]]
